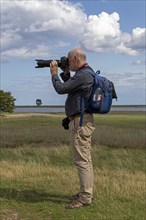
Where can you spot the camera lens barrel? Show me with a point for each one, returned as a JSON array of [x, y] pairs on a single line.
[[46, 63]]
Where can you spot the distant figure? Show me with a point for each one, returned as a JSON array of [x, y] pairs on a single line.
[[80, 136], [38, 102]]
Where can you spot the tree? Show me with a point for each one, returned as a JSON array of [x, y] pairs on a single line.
[[38, 102], [7, 102]]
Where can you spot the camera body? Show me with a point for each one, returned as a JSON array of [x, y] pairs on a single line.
[[63, 63]]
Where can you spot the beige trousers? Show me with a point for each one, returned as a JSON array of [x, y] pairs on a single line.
[[80, 138]]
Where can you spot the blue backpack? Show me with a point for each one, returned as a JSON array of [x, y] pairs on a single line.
[[100, 100]]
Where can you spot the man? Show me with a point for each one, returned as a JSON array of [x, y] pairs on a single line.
[[80, 135]]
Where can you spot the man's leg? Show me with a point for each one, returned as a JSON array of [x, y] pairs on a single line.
[[81, 143]]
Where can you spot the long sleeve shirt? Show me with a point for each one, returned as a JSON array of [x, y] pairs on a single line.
[[81, 81]]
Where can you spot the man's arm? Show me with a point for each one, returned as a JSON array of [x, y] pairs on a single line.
[[72, 84]]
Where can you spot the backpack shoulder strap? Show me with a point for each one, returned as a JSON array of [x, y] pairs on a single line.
[[91, 71]]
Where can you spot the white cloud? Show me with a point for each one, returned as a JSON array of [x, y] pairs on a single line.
[[138, 38], [26, 51], [133, 44], [38, 28], [29, 27], [58, 16], [129, 79], [101, 32], [10, 39], [139, 62]]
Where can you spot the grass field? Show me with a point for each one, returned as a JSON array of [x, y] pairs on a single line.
[[38, 177]]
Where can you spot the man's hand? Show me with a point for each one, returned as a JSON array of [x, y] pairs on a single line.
[[53, 67]]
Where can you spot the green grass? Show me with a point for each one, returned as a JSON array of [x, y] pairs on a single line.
[[38, 177]]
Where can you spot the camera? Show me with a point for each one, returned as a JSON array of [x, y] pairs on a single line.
[[63, 63]]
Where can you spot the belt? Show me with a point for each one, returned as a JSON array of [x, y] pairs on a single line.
[[72, 117]]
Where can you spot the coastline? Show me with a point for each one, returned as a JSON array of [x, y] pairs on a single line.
[[61, 108]]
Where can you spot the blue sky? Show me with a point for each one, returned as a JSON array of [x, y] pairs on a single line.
[[112, 34]]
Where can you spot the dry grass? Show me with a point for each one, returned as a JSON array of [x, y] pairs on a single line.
[[37, 174], [111, 130], [121, 182]]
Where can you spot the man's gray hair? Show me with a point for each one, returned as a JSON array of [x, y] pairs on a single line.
[[78, 53]]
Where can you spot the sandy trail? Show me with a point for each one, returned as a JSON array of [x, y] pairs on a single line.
[[23, 115]]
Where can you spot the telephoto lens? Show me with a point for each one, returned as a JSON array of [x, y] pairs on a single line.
[[63, 63], [44, 63]]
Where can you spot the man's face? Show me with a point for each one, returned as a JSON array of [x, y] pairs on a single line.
[[72, 63]]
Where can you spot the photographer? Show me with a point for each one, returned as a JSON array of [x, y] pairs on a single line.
[[80, 135]]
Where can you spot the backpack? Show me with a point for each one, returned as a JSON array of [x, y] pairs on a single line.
[[100, 100]]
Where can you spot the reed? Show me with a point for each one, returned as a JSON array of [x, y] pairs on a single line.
[[111, 130]]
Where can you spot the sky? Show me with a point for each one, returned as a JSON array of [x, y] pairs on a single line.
[[111, 33]]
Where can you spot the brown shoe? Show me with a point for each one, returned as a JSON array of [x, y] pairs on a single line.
[[75, 196], [77, 203], [74, 204]]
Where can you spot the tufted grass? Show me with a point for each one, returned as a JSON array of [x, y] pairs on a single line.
[[38, 177]]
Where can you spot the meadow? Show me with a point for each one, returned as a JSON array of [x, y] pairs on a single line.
[[38, 177]]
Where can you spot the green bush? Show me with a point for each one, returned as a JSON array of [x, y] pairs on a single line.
[[6, 102]]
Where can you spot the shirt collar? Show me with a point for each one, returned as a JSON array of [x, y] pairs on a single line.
[[83, 66]]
